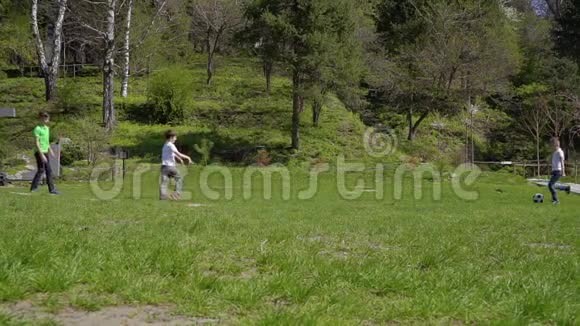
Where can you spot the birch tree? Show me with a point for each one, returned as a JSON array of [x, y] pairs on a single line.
[[49, 66], [96, 19], [127, 50], [109, 119], [127, 45]]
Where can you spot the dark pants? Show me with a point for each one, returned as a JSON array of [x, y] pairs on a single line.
[[42, 168], [553, 185]]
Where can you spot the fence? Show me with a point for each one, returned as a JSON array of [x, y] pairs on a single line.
[[545, 169]]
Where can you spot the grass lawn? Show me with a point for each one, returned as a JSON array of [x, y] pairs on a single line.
[[326, 260]]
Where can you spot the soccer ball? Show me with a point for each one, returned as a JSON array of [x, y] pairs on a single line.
[[538, 198]]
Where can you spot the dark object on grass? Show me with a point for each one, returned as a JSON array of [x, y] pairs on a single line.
[[3, 179], [499, 190]]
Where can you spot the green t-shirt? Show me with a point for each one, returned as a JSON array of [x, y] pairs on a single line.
[[42, 133]]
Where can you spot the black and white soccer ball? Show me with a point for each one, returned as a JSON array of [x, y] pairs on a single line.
[[538, 198]]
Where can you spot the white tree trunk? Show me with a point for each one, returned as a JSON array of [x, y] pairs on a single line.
[[127, 52], [108, 68], [49, 72]]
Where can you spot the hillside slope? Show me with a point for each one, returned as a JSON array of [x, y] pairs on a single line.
[[235, 113]]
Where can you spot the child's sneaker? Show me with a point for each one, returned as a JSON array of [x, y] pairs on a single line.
[[555, 203]]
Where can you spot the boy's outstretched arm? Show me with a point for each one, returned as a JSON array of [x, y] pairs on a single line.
[[180, 156]]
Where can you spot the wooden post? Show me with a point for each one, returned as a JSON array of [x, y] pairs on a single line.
[[525, 169]]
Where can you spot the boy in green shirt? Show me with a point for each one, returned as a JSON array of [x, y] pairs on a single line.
[[42, 153]]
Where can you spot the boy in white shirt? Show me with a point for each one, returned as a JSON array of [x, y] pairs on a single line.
[[558, 171], [169, 167]]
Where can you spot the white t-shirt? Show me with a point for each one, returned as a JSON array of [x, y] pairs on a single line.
[[168, 154], [558, 160]]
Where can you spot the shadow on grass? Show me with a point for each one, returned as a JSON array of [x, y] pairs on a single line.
[[225, 149]]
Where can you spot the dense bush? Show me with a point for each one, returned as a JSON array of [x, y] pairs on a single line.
[[71, 153], [168, 97], [73, 100]]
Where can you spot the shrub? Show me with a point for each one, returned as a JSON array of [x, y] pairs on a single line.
[[204, 149], [87, 71], [71, 153], [71, 99], [169, 96]]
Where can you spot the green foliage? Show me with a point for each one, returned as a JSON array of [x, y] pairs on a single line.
[[399, 22], [16, 45], [441, 54], [567, 31], [169, 96], [204, 149], [71, 153]]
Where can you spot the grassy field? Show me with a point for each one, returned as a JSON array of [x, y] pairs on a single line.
[[498, 260]]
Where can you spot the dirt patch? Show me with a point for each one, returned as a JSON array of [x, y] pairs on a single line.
[[118, 315]]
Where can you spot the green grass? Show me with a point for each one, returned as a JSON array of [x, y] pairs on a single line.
[[497, 260]]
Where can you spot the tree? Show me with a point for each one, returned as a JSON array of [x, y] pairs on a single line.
[[127, 50], [49, 67], [442, 54], [127, 47], [109, 118], [260, 38], [556, 7], [307, 32], [567, 31], [17, 46], [97, 21], [533, 114], [216, 20]]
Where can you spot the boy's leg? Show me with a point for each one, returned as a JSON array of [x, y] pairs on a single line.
[[164, 183], [39, 172], [178, 181], [552, 186], [48, 171]]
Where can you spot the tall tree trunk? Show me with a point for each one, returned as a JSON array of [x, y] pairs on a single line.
[[211, 47], [413, 127], [538, 153], [209, 68], [268, 67], [297, 108], [316, 111], [50, 86], [49, 71], [108, 69], [127, 51]]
